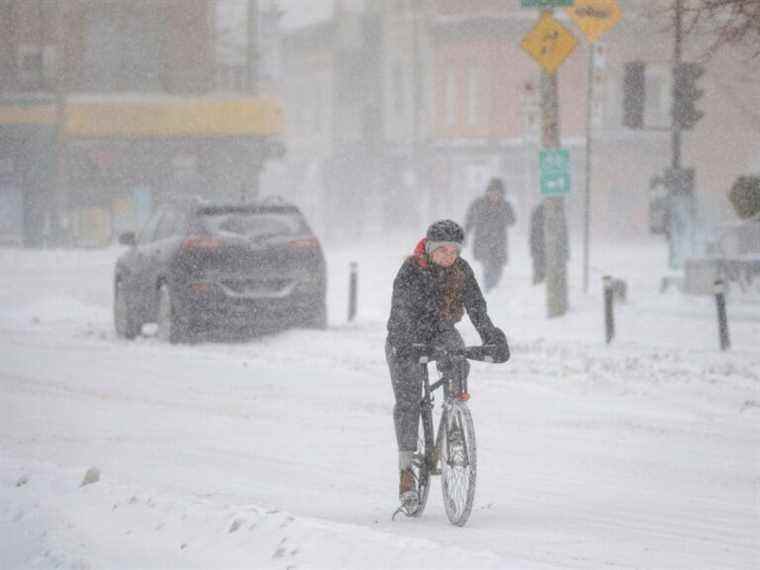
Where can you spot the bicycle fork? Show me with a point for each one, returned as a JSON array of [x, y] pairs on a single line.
[[457, 452]]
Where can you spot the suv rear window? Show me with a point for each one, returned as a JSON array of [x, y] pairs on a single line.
[[254, 224]]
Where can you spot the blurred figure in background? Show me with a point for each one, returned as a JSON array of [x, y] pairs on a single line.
[[537, 243], [488, 217]]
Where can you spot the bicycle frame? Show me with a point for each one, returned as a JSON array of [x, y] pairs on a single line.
[[453, 389]]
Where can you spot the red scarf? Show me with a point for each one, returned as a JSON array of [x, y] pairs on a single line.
[[420, 255]]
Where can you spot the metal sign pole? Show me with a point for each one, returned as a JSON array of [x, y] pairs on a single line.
[[549, 43], [587, 193], [594, 18], [556, 260]]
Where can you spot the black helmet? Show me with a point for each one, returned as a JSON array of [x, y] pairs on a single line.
[[496, 185], [445, 230]]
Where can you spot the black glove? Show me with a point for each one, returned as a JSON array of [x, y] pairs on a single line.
[[498, 340]]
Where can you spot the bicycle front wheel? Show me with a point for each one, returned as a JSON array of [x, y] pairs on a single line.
[[459, 465]]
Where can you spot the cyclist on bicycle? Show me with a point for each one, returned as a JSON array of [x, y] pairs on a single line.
[[431, 292]]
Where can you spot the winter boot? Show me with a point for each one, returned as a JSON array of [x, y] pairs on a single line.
[[407, 490]]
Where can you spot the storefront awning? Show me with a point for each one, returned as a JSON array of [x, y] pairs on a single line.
[[159, 117]]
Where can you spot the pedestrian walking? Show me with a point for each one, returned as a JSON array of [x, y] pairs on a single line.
[[486, 223], [537, 253]]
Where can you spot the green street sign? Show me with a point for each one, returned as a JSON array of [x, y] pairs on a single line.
[[546, 3], [554, 167]]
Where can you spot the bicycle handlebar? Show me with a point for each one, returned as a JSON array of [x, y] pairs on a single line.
[[484, 353]]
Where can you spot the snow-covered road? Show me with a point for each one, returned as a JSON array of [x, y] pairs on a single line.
[[278, 451]]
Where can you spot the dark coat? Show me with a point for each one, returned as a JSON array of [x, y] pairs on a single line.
[[489, 222], [537, 233], [428, 298]]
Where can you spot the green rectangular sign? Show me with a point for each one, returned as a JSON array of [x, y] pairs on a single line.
[[546, 3], [554, 166]]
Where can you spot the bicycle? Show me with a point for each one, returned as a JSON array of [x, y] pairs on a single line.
[[452, 451]]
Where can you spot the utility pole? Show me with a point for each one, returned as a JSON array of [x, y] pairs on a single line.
[[594, 18], [555, 231], [587, 189], [680, 180], [549, 43], [677, 52]]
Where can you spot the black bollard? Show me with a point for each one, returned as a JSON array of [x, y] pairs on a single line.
[[720, 302], [352, 286], [609, 315]]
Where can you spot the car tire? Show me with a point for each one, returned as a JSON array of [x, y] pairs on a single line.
[[172, 327], [126, 324]]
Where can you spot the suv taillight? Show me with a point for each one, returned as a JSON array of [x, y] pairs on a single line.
[[306, 243], [204, 243]]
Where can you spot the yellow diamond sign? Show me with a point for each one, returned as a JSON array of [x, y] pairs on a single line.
[[595, 17], [549, 43]]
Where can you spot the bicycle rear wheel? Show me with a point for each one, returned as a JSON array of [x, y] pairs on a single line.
[[459, 465]]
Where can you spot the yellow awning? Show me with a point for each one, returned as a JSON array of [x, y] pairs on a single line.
[[27, 114], [156, 117]]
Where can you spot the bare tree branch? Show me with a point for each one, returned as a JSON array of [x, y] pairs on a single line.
[[731, 23]]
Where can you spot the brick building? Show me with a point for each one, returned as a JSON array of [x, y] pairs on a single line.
[[459, 103], [111, 106]]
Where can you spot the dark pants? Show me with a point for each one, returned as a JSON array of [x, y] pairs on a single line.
[[492, 271], [539, 271], [406, 379]]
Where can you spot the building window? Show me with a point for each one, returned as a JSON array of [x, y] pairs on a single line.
[[231, 44], [473, 95], [30, 66], [121, 51], [450, 97]]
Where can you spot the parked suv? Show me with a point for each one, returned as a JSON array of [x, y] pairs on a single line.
[[203, 265]]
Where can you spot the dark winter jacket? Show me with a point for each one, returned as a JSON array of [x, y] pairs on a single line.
[[537, 233], [427, 298], [489, 222]]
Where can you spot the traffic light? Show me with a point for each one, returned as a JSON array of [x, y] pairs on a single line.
[[686, 94], [634, 94]]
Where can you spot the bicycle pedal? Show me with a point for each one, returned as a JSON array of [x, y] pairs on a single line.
[[409, 504]]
